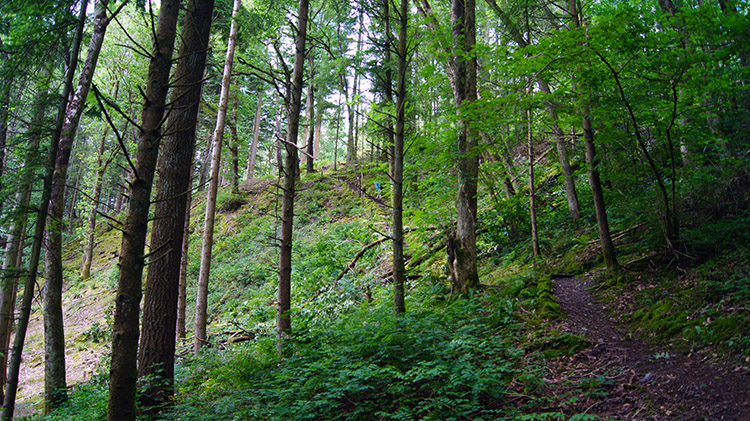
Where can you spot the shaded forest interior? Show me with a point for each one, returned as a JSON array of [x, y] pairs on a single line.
[[382, 209]]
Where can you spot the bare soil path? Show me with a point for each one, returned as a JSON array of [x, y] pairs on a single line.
[[620, 377]]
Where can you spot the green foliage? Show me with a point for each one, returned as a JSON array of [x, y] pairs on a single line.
[[439, 361], [705, 308]]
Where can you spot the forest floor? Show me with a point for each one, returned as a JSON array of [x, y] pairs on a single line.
[[629, 379], [86, 343]]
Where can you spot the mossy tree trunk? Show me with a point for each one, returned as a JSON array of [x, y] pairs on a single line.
[[464, 67]]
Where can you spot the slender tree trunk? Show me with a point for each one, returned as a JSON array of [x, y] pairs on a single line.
[[608, 248], [318, 131], [532, 189], [570, 190], [388, 87], [465, 92], [206, 163], [14, 363], [279, 157], [55, 386], [182, 287], [123, 369], [234, 145], [4, 106], [397, 179], [291, 170], [310, 161], [208, 227], [562, 153], [11, 269], [71, 218], [101, 168], [175, 163], [250, 173], [336, 138]]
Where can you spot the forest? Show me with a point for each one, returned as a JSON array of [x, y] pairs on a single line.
[[375, 210]]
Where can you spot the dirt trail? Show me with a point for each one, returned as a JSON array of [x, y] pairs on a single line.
[[633, 380]]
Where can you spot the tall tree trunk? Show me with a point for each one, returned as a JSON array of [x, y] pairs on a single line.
[[234, 146], [206, 163], [55, 387], [397, 179], [11, 269], [14, 363], [465, 92], [562, 153], [213, 187], [310, 161], [175, 163], [318, 132], [291, 170], [277, 149], [101, 168], [71, 218], [336, 138], [250, 173], [608, 248], [570, 189], [532, 188], [388, 86], [123, 370], [5, 86], [182, 286]]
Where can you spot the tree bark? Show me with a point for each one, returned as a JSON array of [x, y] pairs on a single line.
[[465, 92], [310, 161], [570, 189], [55, 387], [11, 269], [532, 188], [123, 369], [101, 168], [608, 249], [397, 179], [182, 287], [234, 146], [14, 364], [160, 304], [250, 173], [213, 187], [562, 153], [291, 170], [277, 147]]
